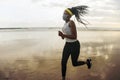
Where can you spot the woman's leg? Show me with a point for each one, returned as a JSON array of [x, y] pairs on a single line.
[[75, 51], [65, 57]]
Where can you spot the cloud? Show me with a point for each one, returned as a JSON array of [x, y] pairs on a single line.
[[104, 13], [41, 11], [56, 3]]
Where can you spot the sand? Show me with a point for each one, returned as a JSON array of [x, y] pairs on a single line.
[[24, 60], [33, 55]]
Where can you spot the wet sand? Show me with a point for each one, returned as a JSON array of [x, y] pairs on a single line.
[[27, 56], [105, 59], [42, 69]]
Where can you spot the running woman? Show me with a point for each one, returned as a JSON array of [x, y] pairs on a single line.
[[69, 33]]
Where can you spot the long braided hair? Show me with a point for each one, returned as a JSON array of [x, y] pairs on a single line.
[[79, 12]]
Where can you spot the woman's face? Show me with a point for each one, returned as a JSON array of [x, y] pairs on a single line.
[[66, 16]]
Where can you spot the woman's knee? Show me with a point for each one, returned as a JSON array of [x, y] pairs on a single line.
[[74, 64]]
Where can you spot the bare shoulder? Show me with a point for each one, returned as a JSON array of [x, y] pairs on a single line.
[[72, 22]]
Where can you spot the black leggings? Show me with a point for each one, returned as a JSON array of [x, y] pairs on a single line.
[[72, 49]]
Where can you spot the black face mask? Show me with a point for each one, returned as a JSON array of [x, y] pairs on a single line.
[[65, 17]]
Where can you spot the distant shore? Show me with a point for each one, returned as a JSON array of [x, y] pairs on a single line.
[[59, 28]]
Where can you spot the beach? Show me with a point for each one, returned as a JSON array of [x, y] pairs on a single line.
[[36, 55]]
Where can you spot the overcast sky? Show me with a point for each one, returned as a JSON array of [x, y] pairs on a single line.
[[48, 13]]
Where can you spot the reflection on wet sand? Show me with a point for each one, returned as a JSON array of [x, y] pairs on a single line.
[[105, 58], [32, 56]]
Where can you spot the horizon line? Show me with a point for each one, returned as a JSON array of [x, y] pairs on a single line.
[[58, 28]]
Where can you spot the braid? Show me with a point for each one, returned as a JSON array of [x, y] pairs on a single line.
[[79, 12]]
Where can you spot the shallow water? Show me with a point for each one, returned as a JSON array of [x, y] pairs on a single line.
[[36, 55]]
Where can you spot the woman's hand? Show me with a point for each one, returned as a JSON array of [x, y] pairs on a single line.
[[61, 34]]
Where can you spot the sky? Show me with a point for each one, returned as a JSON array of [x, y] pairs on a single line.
[[48, 13]]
